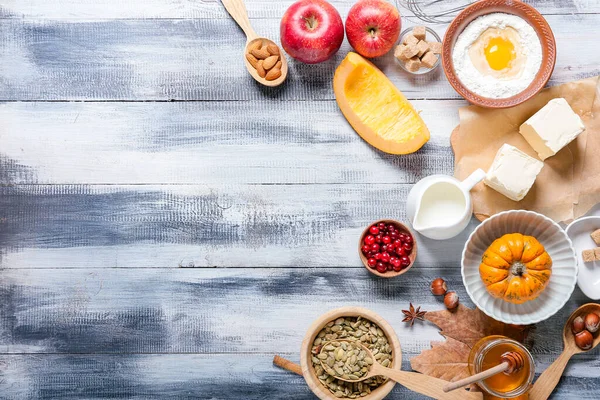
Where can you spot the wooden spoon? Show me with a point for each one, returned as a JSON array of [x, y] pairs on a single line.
[[545, 384], [237, 9], [510, 362], [420, 383]]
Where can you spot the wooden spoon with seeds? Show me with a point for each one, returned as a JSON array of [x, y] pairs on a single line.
[[545, 384], [347, 355], [276, 74]]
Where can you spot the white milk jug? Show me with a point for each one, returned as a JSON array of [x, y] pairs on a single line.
[[439, 206]]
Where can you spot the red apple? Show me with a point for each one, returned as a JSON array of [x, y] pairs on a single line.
[[311, 31], [372, 27]]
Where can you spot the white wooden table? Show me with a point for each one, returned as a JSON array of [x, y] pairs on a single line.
[[167, 225]]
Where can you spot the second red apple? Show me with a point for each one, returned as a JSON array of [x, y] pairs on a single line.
[[372, 27]]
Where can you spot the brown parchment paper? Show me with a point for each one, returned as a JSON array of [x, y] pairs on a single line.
[[568, 185]]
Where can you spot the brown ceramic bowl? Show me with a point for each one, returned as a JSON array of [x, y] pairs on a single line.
[[515, 7], [403, 229], [308, 371]]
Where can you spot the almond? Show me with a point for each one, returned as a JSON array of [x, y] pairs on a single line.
[[260, 53], [270, 62], [256, 45], [273, 49], [259, 68], [273, 74], [278, 65], [252, 60]]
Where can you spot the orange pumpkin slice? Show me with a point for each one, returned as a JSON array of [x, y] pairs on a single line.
[[376, 109]]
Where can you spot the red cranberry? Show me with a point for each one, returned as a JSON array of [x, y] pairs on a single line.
[[404, 261], [374, 247], [408, 239], [397, 268], [378, 238], [393, 235], [390, 267], [374, 230], [407, 247], [369, 239], [393, 259], [400, 251], [386, 239], [397, 243], [381, 226], [385, 257], [366, 248], [381, 267], [403, 237], [372, 262], [377, 256], [396, 262], [390, 226]]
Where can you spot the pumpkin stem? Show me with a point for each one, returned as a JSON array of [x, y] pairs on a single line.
[[518, 269]]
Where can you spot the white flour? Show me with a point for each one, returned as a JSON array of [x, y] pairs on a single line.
[[488, 86]]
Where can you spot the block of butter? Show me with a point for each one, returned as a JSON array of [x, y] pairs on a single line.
[[552, 128], [513, 172]]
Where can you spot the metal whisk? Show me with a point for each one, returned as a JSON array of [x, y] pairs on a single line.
[[435, 11]]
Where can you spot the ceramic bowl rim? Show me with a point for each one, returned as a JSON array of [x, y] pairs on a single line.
[[523, 10], [531, 320]]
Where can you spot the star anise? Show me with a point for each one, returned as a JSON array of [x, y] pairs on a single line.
[[411, 314]]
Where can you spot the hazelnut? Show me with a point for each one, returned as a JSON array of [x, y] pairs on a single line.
[[451, 300], [438, 287], [577, 325], [592, 322], [584, 340]]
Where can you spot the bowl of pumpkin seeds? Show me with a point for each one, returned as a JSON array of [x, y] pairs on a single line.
[[348, 324]]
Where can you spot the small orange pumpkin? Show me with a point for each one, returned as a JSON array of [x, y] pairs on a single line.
[[515, 268]]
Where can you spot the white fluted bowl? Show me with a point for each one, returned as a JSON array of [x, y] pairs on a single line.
[[557, 244]]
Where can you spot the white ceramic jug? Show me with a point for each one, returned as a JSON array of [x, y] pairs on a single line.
[[439, 206]]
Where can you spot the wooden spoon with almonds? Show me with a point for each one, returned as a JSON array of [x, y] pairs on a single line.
[[369, 366], [264, 60]]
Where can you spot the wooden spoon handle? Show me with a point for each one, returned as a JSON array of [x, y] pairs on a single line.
[[427, 385], [477, 377], [237, 9], [545, 384]]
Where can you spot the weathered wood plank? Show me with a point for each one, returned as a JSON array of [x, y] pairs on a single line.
[[248, 377], [176, 59], [196, 225], [78, 311], [207, 142], [79, 9]]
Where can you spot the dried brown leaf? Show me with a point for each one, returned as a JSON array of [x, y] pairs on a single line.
[[468, 326], [445, 360]]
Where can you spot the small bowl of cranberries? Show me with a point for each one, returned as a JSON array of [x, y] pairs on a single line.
[[387, 248]]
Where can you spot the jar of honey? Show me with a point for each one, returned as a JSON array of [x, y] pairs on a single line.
[[487, 353]]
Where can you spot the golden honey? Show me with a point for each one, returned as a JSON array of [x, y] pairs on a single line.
[[487, 353]]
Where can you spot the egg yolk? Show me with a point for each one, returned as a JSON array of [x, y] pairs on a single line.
[[499, 53]]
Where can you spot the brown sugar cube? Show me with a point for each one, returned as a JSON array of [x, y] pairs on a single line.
[[408, 52], [588, 256], [399, 52], [596, 236], [435, 47], [410, 39], [597, 253], [423, 47], [419, 32], [429, 59], [413, 65]]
